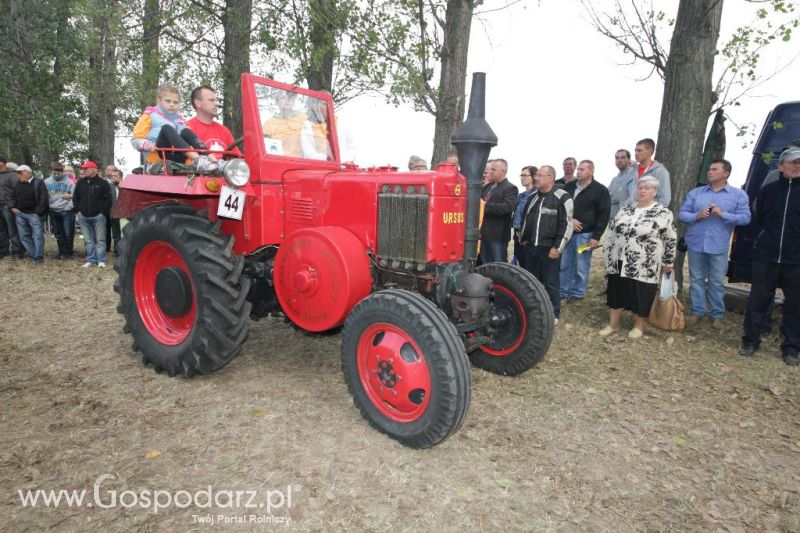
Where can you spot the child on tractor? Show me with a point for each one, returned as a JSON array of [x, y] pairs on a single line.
[[162, 126]]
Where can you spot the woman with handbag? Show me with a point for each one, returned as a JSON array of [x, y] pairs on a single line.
[[640, 245]]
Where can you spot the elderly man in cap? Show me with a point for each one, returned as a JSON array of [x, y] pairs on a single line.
[[92, 199], [29, 202], [8, 224], [776, 259]]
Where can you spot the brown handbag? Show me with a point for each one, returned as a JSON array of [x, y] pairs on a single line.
[[667, 313]]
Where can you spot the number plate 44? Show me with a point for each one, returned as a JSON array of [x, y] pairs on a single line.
[[231, 203]]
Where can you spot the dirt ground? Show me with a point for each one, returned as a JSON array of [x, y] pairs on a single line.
[[671, 432]]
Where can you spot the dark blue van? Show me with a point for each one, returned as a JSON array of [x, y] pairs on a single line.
[[781, 127]]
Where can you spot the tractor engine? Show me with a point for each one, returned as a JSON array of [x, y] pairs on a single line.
[[415, 232]]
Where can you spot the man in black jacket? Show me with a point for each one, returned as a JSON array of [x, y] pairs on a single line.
[[546, 230], [776, 259], [92, 198], [592, 205], [501, 197], [29, 202]]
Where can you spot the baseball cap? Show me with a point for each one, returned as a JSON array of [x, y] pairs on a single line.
[[790, 154], [23, 168], [89, 164], [3, 159]]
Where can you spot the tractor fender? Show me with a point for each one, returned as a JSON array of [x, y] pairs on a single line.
[[140, 191]]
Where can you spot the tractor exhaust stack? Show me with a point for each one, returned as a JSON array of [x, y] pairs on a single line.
[[474, 140]]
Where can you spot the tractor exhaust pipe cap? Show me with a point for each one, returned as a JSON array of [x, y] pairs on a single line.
[[474, 140], [475, 129]]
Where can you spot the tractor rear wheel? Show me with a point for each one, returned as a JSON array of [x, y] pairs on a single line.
[[406, 368], [181, 291], [524, 321]]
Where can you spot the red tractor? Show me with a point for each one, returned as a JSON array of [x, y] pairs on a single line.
[[288, 230]]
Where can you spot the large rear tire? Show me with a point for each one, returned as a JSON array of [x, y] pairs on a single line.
[[527, 321], [406, 368], [181, 289]]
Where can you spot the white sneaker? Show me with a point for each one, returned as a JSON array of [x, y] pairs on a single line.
[[101, 265], [87, 264], [556, 322], [635, 333], [204, 164], [606, 331]]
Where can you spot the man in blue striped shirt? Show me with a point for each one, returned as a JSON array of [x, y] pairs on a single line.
[[711, 212]]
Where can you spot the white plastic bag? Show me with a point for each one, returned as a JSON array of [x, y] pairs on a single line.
[[668, 287]]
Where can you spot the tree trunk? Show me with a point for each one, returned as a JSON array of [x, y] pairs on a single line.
[[322, 49], [688, 97], [236, 21], [102, 88], [450, 104], [151, 61], [48, 150]]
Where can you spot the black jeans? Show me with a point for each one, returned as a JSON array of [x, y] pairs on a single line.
[[766, 278], [518, 250], [169, 138], [8, 232], [63, 226], [546, 270], [112, 233]]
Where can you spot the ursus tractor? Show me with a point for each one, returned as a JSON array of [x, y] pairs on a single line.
[[288, 230]]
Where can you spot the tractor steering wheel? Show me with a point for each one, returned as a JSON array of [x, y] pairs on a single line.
[[236, 142]]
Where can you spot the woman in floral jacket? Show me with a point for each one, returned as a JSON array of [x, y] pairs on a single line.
[[640, 245]]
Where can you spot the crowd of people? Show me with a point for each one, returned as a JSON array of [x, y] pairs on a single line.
[[557, 224], [29, 204]]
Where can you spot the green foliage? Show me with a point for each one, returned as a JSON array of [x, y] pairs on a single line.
[[388, 46], [39, 59], [742, 52]]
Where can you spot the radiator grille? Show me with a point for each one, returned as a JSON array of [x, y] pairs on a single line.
[[403, 226]]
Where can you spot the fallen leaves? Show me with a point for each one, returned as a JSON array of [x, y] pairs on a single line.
[[152, 454], [503, 483]]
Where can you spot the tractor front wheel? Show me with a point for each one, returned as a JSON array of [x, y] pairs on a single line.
[[181, 291], [521, 321], [406, 368]]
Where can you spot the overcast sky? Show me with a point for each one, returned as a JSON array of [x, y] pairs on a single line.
[[556, 88]]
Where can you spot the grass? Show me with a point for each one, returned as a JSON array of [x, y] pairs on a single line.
[[605, 434]]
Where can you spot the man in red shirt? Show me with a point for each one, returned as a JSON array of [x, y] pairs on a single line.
[[216, 136], [647, 166]]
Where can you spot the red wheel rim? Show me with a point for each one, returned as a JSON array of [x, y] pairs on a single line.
[[153, 258], [394, 372], [508, 300]]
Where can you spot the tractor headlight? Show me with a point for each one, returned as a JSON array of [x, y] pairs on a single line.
[[236, 171]]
